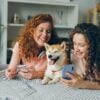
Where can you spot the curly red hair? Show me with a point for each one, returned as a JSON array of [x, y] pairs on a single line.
[[27, 45]]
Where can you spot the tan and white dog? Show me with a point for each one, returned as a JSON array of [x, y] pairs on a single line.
[[56, 59]]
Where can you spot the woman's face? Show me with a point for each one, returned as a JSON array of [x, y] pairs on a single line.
[[42, 33], [81, 46]]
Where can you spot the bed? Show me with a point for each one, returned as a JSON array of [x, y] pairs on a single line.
[[22, 89]]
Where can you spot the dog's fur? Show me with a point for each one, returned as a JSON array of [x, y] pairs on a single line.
[[56, 59]]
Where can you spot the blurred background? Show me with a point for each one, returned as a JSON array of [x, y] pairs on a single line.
[[66, 14]]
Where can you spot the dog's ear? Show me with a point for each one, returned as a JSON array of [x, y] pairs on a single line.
[[46, 45], [63, 45]]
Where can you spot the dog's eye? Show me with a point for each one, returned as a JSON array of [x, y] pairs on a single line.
[[49, 51], [55, 51]]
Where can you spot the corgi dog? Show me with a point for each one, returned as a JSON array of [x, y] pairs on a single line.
[[56, 59]]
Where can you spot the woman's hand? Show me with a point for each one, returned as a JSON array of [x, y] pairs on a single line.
[[11, 72], [30, 73], [74, 82]]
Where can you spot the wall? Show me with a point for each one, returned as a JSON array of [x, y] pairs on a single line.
[[0, 27], [84, 5], [0, 11]]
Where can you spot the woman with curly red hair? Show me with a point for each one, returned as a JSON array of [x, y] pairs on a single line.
[[30, 47]]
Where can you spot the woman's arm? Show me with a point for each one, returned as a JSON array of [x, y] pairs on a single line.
[[36, 70], [15, 60], [31, 73], [85, 84], [89, 85]]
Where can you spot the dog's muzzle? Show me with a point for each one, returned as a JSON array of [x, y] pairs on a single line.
[[52, 60]]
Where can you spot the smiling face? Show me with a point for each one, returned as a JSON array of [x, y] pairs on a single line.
[[55, 52], [42, 33], [80, 45]]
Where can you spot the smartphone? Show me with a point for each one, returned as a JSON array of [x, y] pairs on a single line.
[[67, 68]]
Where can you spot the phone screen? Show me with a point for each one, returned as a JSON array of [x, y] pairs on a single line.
[[68, 68]]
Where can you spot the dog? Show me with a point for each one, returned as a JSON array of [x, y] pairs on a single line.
[[56, 59]]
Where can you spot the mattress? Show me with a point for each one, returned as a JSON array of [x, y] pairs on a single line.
[[22, 89]]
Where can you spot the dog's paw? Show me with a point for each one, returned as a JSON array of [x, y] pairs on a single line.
[[44, 82], [51, 82]]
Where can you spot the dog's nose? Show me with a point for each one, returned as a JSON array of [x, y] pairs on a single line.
[[49, 56]]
